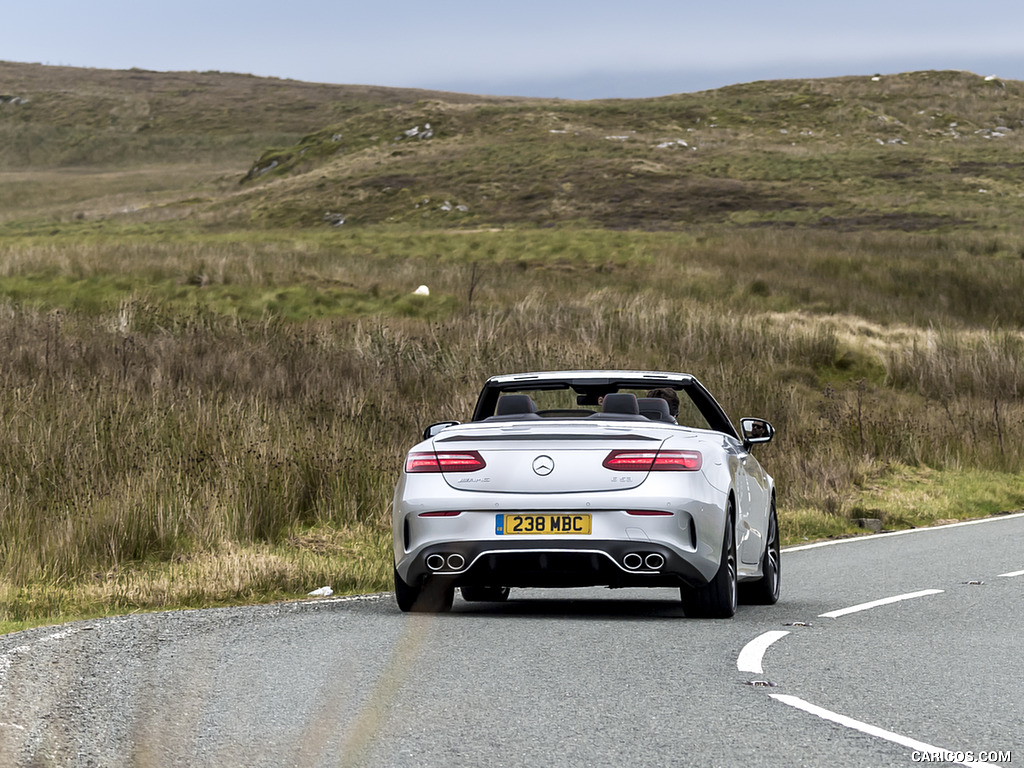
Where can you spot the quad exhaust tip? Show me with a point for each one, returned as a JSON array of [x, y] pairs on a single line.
[[635, 560], [456, 562], [654, 561], [632, 561], [453, 562]]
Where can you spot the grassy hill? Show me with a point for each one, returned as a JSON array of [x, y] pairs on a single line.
[[93, 143], [928, 150], [74, 117], [213, 360], [917, 151]]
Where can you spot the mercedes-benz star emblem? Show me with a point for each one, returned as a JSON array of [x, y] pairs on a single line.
[[543, 465]]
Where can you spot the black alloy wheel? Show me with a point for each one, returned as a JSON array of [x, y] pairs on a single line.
[[718, 598], [765, 591]]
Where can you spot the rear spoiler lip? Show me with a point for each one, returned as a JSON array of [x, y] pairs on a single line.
[[534, 437]]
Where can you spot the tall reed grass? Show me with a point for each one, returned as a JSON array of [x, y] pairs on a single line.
[[147, 439]]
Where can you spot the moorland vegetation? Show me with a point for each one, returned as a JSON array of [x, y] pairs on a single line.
[[213, 360]]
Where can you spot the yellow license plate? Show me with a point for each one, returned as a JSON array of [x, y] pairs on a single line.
[[509, 525]]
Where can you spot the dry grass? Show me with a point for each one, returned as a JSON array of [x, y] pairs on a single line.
[[188, 456]]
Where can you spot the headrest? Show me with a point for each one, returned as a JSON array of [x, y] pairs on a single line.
[[654, 408], [620, 402], [510, 404]]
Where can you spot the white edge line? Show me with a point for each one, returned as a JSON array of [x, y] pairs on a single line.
[[59, 635], [343, 599], [876, 603], [750, 657], [1010, 575], [873, 536], [871, 730], [12, 725]]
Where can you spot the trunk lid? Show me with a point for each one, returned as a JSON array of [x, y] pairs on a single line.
[[550, 457]]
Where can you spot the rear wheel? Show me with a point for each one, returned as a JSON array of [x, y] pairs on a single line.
[[765, 591], [485, 594], [432, 596], [717, 599]]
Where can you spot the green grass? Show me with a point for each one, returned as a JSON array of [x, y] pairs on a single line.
[[911, 497], [902, 497], [353, 560]]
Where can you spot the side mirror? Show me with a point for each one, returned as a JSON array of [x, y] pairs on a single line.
[[756, 431], [435, 428]]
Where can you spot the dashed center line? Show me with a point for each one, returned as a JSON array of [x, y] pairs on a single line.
[[753, 652], [752, 655], [876, 603], [871, 730]]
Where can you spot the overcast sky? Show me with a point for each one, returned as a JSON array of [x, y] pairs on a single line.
[[553, 48]]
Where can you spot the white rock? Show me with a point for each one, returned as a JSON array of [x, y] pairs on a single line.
[[322, 592], [421, 291]]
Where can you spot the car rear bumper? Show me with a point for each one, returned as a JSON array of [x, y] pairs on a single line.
[[563, 563]]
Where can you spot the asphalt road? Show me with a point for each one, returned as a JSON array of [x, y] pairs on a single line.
[[583, 677]]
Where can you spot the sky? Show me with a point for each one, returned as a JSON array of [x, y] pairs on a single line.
[[554, 48]]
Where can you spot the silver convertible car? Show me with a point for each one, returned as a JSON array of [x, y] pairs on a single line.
[[586, 478]]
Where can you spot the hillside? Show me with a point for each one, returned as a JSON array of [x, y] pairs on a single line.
[[75, 117], [917, 151]]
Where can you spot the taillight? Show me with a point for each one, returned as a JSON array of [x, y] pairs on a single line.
[[648, 512], [653, 461], [625, 461], [446, 461], [440, 514], [678, 461]]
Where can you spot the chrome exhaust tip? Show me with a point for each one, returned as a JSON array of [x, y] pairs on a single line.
[[456, 562], [435, 562], [632, 561], [654, 561]]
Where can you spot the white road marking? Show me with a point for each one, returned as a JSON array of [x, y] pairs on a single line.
[[59, 635], [874, 536], [6, 659], [752, 654], [345, 599], [12, 725], [871, 730], [876, 603]]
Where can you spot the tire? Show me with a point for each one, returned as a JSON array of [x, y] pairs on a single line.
[[765, 591], [485, 594], [432, 596], [718, 598]]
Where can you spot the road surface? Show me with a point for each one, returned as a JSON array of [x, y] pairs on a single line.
[[880, 651]]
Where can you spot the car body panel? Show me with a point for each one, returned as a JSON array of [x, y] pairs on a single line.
[[551, 462]]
